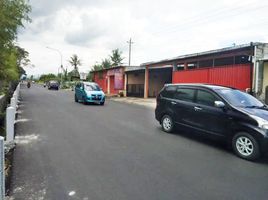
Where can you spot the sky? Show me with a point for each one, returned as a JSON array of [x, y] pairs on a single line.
[[160, 29]]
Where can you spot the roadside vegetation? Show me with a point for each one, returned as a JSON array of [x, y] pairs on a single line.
[[69, 78], [13, 58], [13, 15], [113, 60]]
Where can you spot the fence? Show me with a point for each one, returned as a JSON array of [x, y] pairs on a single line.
[[135, 90], [10, 121]]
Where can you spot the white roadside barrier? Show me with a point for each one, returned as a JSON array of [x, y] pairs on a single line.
[[2, 168], [10, 122], [11, 115], [13, 102]]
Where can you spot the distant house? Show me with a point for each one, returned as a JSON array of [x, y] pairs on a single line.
[[112, 80], [243, 67]]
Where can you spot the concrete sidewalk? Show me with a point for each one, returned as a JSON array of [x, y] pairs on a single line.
[[150, 102]]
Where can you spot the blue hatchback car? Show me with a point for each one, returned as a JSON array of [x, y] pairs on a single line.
[[89, 92]]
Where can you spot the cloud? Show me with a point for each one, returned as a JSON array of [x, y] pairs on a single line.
[[90, 29], [162, 29]]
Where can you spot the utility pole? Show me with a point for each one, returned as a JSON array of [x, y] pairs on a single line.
[[61, 66], [129, 50]]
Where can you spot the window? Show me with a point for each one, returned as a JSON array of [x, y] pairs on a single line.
[[240, 99], [192, 65], [224, 61], [243, 59], [205, 98], [169, 91], [205, 63], [92, 87], [180, 66], [184, 94]]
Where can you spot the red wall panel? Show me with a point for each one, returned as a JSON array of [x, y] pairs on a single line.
[[112, 90], [188, 76], [112, 85], [237, 76], [101, 80]]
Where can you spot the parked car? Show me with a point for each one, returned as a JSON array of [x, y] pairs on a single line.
[[89, 92], [225, 113], [53, 85]]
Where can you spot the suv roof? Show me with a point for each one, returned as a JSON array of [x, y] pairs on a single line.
[[210, 86]]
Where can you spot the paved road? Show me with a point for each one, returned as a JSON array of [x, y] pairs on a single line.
[[68, 150]]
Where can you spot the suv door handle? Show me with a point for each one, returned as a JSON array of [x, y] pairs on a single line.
[[197, 108], [173, 103]]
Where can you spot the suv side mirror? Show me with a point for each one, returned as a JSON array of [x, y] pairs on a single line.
[[219, 104]]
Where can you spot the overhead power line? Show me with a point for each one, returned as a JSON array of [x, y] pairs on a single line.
[[211, 17]]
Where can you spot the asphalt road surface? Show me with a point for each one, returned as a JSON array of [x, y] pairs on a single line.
[[67, 150]]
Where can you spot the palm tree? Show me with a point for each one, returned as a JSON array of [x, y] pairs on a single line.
[[116, 57], [106, 63], [75, 62]]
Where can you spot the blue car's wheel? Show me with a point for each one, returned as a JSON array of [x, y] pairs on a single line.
[[102, 103]]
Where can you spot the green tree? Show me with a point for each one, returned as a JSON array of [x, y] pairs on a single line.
[[22, 59], [75, 62], [106, 63], [90, 77], [96, 67], [13, 13], [47, 77], [65, 74], [9, 70], [116, 57]]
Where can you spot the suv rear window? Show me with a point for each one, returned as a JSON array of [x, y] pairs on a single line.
[[205, 98], [184, 94]]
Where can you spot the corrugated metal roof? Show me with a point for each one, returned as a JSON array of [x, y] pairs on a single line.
[[124, 66], [134, 68], [202, 53]]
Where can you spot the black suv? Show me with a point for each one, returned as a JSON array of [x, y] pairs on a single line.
[[53, 85], [223, 112]]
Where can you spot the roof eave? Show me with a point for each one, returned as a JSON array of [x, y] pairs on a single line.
[[203, 53]]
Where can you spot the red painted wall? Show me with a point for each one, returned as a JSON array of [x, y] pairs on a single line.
[[112, 90], [112, 85], [101, 81], [237, 76]]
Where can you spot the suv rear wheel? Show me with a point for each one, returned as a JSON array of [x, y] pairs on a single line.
[[246, 146], [167, 123]]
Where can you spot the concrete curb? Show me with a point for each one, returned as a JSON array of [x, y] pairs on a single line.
[[133, 102]]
